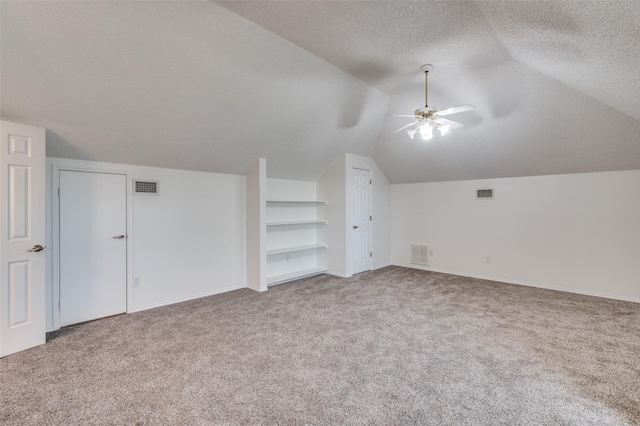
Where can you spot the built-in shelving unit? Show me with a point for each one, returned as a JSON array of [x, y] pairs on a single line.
[[294, 228]]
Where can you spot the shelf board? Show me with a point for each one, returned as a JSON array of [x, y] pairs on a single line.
[[295, 275], [295, 248], [298, 222], [299, 201]]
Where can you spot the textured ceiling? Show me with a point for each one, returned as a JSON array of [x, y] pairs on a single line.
[[591, 46], [197, 86], [383, 42]]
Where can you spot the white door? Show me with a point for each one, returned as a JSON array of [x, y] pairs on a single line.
[[93, 247], [22, 289], [361, 226]]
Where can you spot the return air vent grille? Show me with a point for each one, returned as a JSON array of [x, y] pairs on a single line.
[[147, 187], [420, 254], [484, 194]]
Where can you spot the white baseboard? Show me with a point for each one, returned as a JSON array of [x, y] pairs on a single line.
[[337, 274], [259, 290], [185, 299], [373, 268], [528, 284], [384, 265]]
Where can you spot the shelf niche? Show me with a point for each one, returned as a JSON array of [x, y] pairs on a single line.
[[296, 227]]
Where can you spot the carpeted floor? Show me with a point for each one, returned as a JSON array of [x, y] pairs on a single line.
[[391, 347]]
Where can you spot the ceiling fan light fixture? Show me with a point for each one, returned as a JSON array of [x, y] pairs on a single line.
[[426, 132], [429, 117]]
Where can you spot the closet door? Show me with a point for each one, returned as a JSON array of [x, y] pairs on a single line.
[[361, 221], [93, 246]]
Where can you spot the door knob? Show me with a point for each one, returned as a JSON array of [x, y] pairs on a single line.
[[355, 227], [119, 237], [37, 248]]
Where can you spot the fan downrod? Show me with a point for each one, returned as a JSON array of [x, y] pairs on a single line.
[[425, 68]]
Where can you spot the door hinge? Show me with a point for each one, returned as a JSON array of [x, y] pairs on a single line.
[[370, 181], [58, 192], [370, 254], [370, 218]]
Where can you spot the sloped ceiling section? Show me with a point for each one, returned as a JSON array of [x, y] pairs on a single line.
[[525, 124], [185, 85]]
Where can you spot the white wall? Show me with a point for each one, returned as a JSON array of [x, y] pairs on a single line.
[[331, 187], [290, 190], [256, 231], [188, 242], [577, 232]]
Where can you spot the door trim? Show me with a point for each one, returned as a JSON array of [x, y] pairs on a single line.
[[350, 218], [56, 168]]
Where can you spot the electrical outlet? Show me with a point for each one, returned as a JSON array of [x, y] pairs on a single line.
[[487, 259], [136, 281]]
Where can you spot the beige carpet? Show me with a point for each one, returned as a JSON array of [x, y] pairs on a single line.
[[391, 347]]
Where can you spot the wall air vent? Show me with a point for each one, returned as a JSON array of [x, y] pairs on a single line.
[[484, 194], [146, 187], [420, 254]]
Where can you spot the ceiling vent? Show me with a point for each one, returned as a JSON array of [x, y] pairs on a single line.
[[146, 187], [484, 194], [420, 254]]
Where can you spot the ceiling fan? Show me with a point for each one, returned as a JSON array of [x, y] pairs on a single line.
[[428, 118]]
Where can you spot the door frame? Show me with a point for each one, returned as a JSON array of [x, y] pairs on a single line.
[[56, 168], [349, 220]]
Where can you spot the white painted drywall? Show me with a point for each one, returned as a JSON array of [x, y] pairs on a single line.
[[256, 193], [576, 232], [332, 187], [292, 190], [188, 242]]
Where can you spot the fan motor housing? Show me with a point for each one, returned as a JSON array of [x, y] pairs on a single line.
[[426, 111]]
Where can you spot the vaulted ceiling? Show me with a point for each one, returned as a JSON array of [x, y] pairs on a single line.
[[213, 86]]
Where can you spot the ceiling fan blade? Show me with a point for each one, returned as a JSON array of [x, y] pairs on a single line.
[[455, 110], [410, 116], [452, 124], [404, 127]]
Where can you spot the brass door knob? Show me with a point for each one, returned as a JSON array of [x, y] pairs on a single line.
[[37, 248], [119, 237], [355, 227]]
